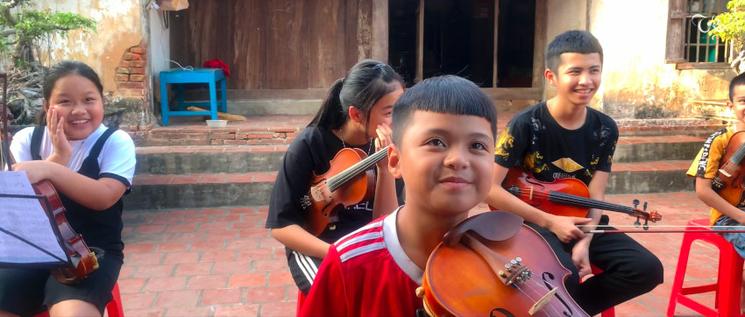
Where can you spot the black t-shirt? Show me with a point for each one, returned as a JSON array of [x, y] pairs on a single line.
[[534, 141], [310, 153]]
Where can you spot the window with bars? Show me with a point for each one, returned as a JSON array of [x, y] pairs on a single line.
[[687, 37]]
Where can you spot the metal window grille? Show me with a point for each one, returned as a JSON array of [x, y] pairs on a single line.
[[700, 47]]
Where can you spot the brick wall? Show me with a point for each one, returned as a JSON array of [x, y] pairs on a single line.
[[130, 75]]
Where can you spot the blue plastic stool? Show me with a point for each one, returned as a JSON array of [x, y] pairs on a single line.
[[178, 77]]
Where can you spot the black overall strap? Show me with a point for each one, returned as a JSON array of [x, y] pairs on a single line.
[[36, 142], [96, 150]]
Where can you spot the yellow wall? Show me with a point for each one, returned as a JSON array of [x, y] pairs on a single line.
[[118, 26]]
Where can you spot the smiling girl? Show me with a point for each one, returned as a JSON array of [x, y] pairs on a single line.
[[91, 166]]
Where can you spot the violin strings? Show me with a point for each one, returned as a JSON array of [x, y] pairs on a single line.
[[337, 180], [554, 312]]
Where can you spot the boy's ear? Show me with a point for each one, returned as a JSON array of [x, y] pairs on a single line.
[[394, 158], [550, 76]]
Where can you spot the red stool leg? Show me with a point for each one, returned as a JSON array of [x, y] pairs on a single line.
[[114, 307], [729, 280], [680, 272]]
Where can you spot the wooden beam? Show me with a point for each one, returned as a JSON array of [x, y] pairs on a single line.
[[539, 43], [420, 43], [380, 30], [496, 45]]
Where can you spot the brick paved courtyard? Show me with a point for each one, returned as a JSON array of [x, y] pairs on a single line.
[[222, 262]]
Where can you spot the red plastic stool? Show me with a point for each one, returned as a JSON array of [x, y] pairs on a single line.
[[113, 308], [729, 279], [610, 312]]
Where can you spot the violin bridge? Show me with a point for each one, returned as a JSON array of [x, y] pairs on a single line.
[[540, 303]]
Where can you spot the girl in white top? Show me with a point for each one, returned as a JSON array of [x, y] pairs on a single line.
[[91, 167]]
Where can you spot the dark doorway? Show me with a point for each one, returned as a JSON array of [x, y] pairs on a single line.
[[515, 53], [402, 31], [459, 39]]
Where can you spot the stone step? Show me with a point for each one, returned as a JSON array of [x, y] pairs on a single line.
[[651, 148], [153, 191], [650, 177], [185, 159], [209, 159]]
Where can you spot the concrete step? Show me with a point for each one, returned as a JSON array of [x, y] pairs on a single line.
[[650, 177], [154, 191], [651, 148], [186, 159], [178, 160]]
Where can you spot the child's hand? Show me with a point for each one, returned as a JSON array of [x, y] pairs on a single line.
[[62, 147], [36, 170], [384, 139], [565, 228], [581, 257]]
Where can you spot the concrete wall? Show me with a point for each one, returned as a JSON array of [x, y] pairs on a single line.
[[118, 27], [121, 30], [635, 76]]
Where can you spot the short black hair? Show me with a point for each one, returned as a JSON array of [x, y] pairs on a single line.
[[447, 94], [739, 80], [574, 41]]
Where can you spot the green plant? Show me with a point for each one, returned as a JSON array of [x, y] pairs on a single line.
[[22, 28]]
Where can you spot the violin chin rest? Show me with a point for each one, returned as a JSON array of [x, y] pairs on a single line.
[[493, 226]]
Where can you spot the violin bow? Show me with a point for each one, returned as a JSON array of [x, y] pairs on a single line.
[[665, 229]]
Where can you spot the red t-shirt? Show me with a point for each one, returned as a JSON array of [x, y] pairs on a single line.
[[366, 273]]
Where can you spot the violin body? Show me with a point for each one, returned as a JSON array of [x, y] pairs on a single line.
[[471, 276], [566, 197], [529, 187], [84, 261], [346, 190], [729, 182]]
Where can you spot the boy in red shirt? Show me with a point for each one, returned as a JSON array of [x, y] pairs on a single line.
[[443, 135]]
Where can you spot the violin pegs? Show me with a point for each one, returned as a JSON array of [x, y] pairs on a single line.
[[645, 206], [637, 222], [636, 203], [646, 223]]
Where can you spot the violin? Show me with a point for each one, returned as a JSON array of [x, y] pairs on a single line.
[[348, 181], [504, 268], [83, 261], [566, 197], [729, 181]]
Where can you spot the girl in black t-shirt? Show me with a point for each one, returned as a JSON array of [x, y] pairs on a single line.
[[357, 110]]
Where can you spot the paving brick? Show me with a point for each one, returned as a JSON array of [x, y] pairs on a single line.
[[165, 283], [279, 309], [244, 310], [270, 295], [147, 271], [190, 312], [217, 296], [247, 280], [181, 257], [191, 269], [181, 299], [207, 281]]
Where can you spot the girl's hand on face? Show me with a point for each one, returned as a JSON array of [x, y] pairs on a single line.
[[56, 125], [385, 138], [36, 170]]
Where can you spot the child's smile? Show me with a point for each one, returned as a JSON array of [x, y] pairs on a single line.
[[446, 160]]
